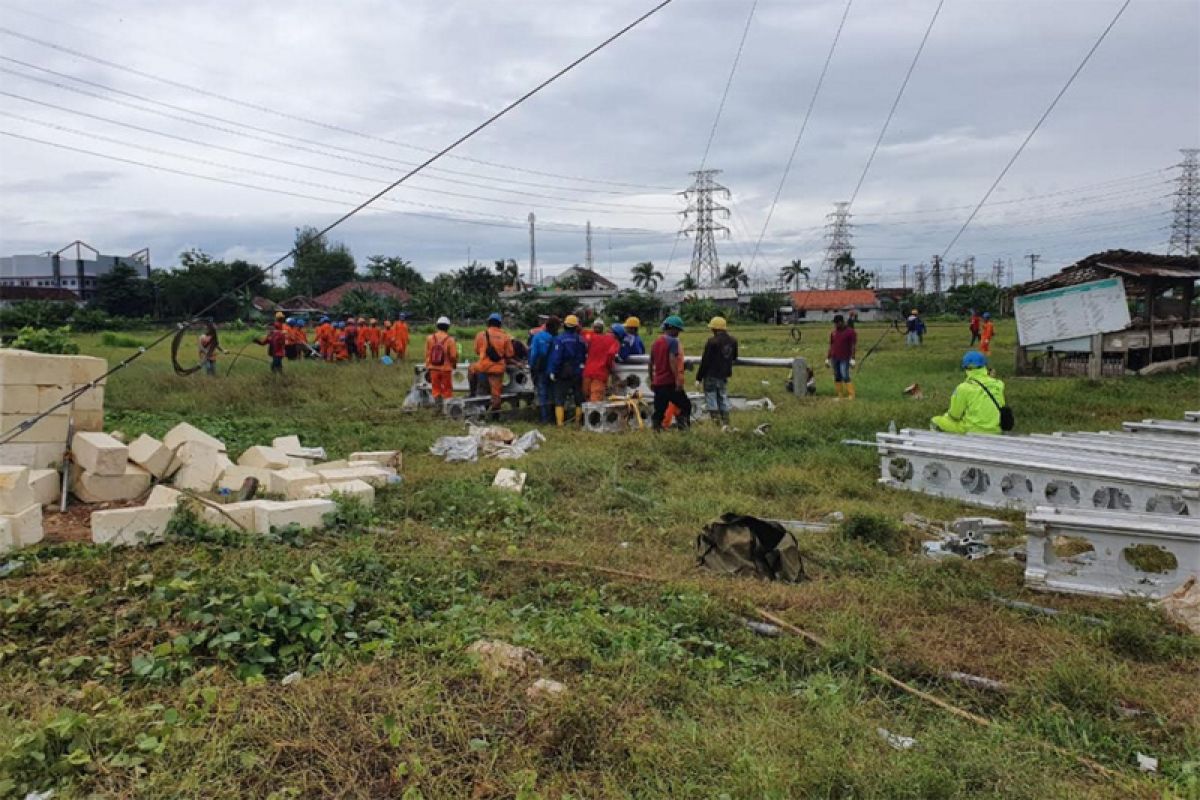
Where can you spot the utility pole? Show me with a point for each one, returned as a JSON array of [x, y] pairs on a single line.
[[587, 259], [1033, 259], [706, 267], [1010, 272], [532, 252], [838, 244], [904, 276], [1185, 229], [936, 271]]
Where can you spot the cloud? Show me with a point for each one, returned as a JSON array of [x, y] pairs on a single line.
[[610, 142]]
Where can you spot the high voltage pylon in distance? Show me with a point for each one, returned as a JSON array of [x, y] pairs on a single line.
[[838, 244], [706, 267], [1185, 228]]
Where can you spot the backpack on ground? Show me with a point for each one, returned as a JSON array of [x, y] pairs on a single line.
[[739, 544]]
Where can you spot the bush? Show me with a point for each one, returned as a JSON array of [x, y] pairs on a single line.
[[530, 305], [110, 339], [875, 530], [36, 314], [46, 340], [699, 310]]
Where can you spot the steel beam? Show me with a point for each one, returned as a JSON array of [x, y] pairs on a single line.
[[1122, 545], [1167, 426]]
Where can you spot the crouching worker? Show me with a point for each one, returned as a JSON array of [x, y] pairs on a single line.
[[976, 403]]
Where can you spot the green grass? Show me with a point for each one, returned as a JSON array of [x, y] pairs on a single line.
[[157, 672]]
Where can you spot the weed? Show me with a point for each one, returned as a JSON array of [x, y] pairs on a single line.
[[110, 339], [875, 530]]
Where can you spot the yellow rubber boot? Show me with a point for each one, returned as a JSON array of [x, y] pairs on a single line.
[[579, 416], [837, 389], [560, 415], [850, 390]]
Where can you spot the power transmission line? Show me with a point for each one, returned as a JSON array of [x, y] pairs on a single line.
[[800, 134], [272, 136], [896, 103], [1038, 124], [69, 397], [297, 117]]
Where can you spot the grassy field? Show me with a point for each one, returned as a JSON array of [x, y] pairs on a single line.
[[158, 672]]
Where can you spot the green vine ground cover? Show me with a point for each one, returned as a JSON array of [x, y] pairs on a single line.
[[335, 664]]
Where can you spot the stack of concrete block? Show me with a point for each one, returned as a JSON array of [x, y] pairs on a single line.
[[20, 511], [101, 471], [195, 463], [32, 383]]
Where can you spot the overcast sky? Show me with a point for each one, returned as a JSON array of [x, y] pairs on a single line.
[[299, 110]]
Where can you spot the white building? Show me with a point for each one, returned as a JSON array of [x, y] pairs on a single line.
[[60, 271]]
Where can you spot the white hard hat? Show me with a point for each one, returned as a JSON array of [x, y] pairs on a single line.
[[443, 321]]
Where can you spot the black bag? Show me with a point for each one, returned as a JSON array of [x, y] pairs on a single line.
[[739, 544], [490, 351], [1007, 420]]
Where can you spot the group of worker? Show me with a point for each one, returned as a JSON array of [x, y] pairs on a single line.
[[572, 365], [349, 339]]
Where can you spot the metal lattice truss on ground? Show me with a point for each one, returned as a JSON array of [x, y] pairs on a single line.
[[1111, 472], [1188, 428], [516, 379], [1130, 554], [615, 416], [475, 408]]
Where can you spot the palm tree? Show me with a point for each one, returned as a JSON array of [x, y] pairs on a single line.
[[734, 276], [792, 273], [646, 277], [509, 272], [688, 284]]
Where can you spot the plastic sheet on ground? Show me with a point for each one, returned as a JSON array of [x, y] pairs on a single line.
[[488, 442], [1183, 606], [418, 397]]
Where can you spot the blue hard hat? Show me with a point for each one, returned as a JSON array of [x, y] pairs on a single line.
[[987, 315], [973, 359], [495, 317], [339, 325], [324, 319], [618, 329]]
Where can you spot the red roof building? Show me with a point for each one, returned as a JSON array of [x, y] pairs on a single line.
[[824, 304], [334, 296]]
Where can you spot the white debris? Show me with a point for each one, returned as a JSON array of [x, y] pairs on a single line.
[[897, 741], [498, 658], [290, 678], [1146, 763], [510, 480], [490, 442], [544, 689]]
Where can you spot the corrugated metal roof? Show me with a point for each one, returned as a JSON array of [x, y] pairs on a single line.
[[834, 299]]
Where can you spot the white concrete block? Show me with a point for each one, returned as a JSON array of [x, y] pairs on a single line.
[[151, 455], [15, 399], [130, 526], [184, 432], [7, 542], [374, 475], [88, 420], [99, 453], [300, 463], [360, 490], [15, 494], [22, 367], [33, 455], [264, 458], [288, 444], [291, 482], [46, 485], [341, 463], [386, 458], [509, 480], [47, 429], [233, 477], [202, 464], [307, 514], [239, 516], [164, 496], [371, 465], [23, 528], [85, 369], [92, 488], [89, 400]]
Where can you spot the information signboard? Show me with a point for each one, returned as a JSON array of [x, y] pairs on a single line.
[[1072, 312]]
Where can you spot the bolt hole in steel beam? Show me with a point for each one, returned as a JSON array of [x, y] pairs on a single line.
[[1016, 486], [1062, 493], [1074, 548], [612, 417], [936, 473], [974, 480], [1167, 504], [1113, 498], [901, 469], [1150, 558], [595, 419], [633, 381]]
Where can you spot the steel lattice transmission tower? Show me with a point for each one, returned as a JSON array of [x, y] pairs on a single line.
[[700, 213], [1185, 229], [838, 243]]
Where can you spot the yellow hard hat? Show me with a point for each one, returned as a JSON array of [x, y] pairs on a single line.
[[633, 322], [571, 321], [915, 311], [279, 315], [718, 324]]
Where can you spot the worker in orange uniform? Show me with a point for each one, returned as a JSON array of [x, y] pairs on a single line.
[[400, 336], [601, 353], [495, 348], [300, 337], [324, 336], [986, 334], [441, 357]]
